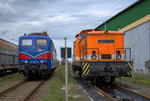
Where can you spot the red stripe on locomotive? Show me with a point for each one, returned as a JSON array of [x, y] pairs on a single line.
[[45, 56], [23, 56]]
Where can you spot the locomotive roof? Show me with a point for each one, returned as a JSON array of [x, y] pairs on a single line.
[[92, 31], [83, 31], [34, 36], [103, 32], [39, 34]]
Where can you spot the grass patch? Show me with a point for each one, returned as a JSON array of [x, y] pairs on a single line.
[[9, 78], [140, 80], [56, 91]]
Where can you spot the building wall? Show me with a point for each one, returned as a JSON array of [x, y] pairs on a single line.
[[138, 39]]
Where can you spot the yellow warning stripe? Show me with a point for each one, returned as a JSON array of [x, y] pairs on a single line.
[[130, 65], [86, 69], [83, 63], [128, 73], [87, 72], [84, 66], [131, 72]]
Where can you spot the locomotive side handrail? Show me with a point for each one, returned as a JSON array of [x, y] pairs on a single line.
[[125, 53]]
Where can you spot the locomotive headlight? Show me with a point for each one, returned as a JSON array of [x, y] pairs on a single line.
[[93, 56], [40, 50], [26, 61], [45, 61], [22, 62], [118, 52], [93, 52], [41, 61], [118, 56]]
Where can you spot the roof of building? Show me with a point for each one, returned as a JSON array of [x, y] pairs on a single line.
[[132, 8]]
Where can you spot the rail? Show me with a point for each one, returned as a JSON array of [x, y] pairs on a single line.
[[13, 91]]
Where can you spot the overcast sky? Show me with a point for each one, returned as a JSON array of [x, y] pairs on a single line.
[[60, 18]]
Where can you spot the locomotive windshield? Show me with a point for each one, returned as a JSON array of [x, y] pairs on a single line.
[[82, 36], [26, 42], [41, 42]]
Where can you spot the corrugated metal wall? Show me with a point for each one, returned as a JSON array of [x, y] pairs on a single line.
[[138, 39]]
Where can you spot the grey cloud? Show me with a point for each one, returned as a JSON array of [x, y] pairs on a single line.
[[61, 18], [4, 32]]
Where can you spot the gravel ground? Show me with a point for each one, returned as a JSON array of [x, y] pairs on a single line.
[[143, 89], [93, 94], [40, 93], [8, 79], [82, 94]]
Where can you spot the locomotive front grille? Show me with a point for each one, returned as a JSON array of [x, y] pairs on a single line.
[[106, 56]]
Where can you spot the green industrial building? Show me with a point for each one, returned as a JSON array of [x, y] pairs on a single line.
[[134, 21]]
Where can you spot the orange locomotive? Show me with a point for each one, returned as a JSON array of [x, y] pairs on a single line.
[[101, 56]]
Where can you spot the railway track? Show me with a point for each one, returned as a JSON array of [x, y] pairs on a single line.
[[116, 92], [20, 91]]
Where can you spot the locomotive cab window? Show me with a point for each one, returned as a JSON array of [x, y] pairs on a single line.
[[26, 42], [41, 42], [82, 36]]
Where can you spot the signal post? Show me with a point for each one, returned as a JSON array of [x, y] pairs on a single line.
[[66, 53]]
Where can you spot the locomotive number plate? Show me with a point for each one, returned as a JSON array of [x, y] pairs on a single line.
[[33, 61]]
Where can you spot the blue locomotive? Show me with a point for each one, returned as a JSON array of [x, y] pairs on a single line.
[[37, 55]]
